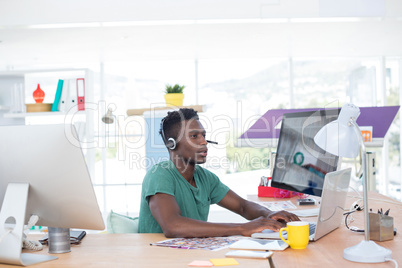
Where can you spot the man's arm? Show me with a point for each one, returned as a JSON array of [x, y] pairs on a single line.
[[166, 212], [252, 210]]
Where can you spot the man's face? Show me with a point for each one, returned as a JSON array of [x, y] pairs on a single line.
[[191, 143]]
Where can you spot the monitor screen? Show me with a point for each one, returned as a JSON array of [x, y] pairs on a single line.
[[49, 158], [300, 165]]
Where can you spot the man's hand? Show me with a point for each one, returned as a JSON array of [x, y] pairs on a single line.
[[260, 224], [283, 216], [274, 221]]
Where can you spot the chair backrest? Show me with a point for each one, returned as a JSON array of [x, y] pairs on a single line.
[[118, 223]]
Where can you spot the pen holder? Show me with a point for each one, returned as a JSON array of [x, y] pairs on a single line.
[[381, 227], [59, 240], [265, 191]]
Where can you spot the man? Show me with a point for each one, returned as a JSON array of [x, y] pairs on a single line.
[[176, 194]]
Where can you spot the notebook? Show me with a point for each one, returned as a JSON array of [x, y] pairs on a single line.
[[330, 213]]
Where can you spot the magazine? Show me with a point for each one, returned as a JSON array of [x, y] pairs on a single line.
[[208, 243]]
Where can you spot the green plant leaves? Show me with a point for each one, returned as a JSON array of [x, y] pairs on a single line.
[[174, 89]]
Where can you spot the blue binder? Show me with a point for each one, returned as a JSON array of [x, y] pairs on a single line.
[[55, 106]]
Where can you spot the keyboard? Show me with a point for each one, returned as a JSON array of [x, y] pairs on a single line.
[[312, 227]]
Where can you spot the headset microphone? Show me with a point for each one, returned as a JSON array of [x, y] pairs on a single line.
[[213, 142]]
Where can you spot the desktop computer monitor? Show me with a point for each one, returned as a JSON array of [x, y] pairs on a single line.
[[49, 159], [300, 165]]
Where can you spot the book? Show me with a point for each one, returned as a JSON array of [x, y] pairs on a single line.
[[259, 244], [55, 105]]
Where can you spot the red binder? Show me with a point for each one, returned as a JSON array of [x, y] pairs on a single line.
[[81, 94]]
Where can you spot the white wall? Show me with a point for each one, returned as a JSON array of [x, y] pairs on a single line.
[[26, 12], [115, 30]]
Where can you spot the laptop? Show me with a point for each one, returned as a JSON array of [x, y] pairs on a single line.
[[335, 189]]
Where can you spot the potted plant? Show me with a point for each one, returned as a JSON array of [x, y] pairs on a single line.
[[174, 95]]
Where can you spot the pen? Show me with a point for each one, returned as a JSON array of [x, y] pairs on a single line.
[[386, 212]]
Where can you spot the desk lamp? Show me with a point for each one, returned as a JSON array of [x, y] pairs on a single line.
[[343, 138]]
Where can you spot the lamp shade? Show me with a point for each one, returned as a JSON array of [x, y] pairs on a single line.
[[108, 118], [338, 137]]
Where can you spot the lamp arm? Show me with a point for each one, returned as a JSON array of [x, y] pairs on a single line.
[[364, 179]]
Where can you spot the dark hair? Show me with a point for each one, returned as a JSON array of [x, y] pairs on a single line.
[[169, 124]]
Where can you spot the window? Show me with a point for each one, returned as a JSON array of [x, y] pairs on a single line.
[[235, 92]]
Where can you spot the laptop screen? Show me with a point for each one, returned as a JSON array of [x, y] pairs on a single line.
[[300, 165]]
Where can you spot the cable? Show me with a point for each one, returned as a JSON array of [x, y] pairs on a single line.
[[32, 221], [378, 199], [392, 260], [355, 206], [351, 228], [322, 220], [29, 244], [357, 192]]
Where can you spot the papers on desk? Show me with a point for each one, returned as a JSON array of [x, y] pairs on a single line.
[[259, 244], [306, 212], [201, 264], [249, 254], [289, 206], [278, 205]]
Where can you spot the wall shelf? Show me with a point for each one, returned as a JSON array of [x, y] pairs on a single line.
[[23, 115], [12, 82], [140, 112], [4, 108]]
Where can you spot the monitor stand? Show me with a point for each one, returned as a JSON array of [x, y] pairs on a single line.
[[12, 215]]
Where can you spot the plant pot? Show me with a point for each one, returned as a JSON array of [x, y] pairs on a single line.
[[174, 99]]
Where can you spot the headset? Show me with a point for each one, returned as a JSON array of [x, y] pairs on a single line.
[[171, 142]]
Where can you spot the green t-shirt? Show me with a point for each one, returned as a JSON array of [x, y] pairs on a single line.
[[193, 201]]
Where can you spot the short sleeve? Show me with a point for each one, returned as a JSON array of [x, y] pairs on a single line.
[[158, 180]]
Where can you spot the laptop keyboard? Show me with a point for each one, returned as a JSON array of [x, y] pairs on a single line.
[[312, 226]]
